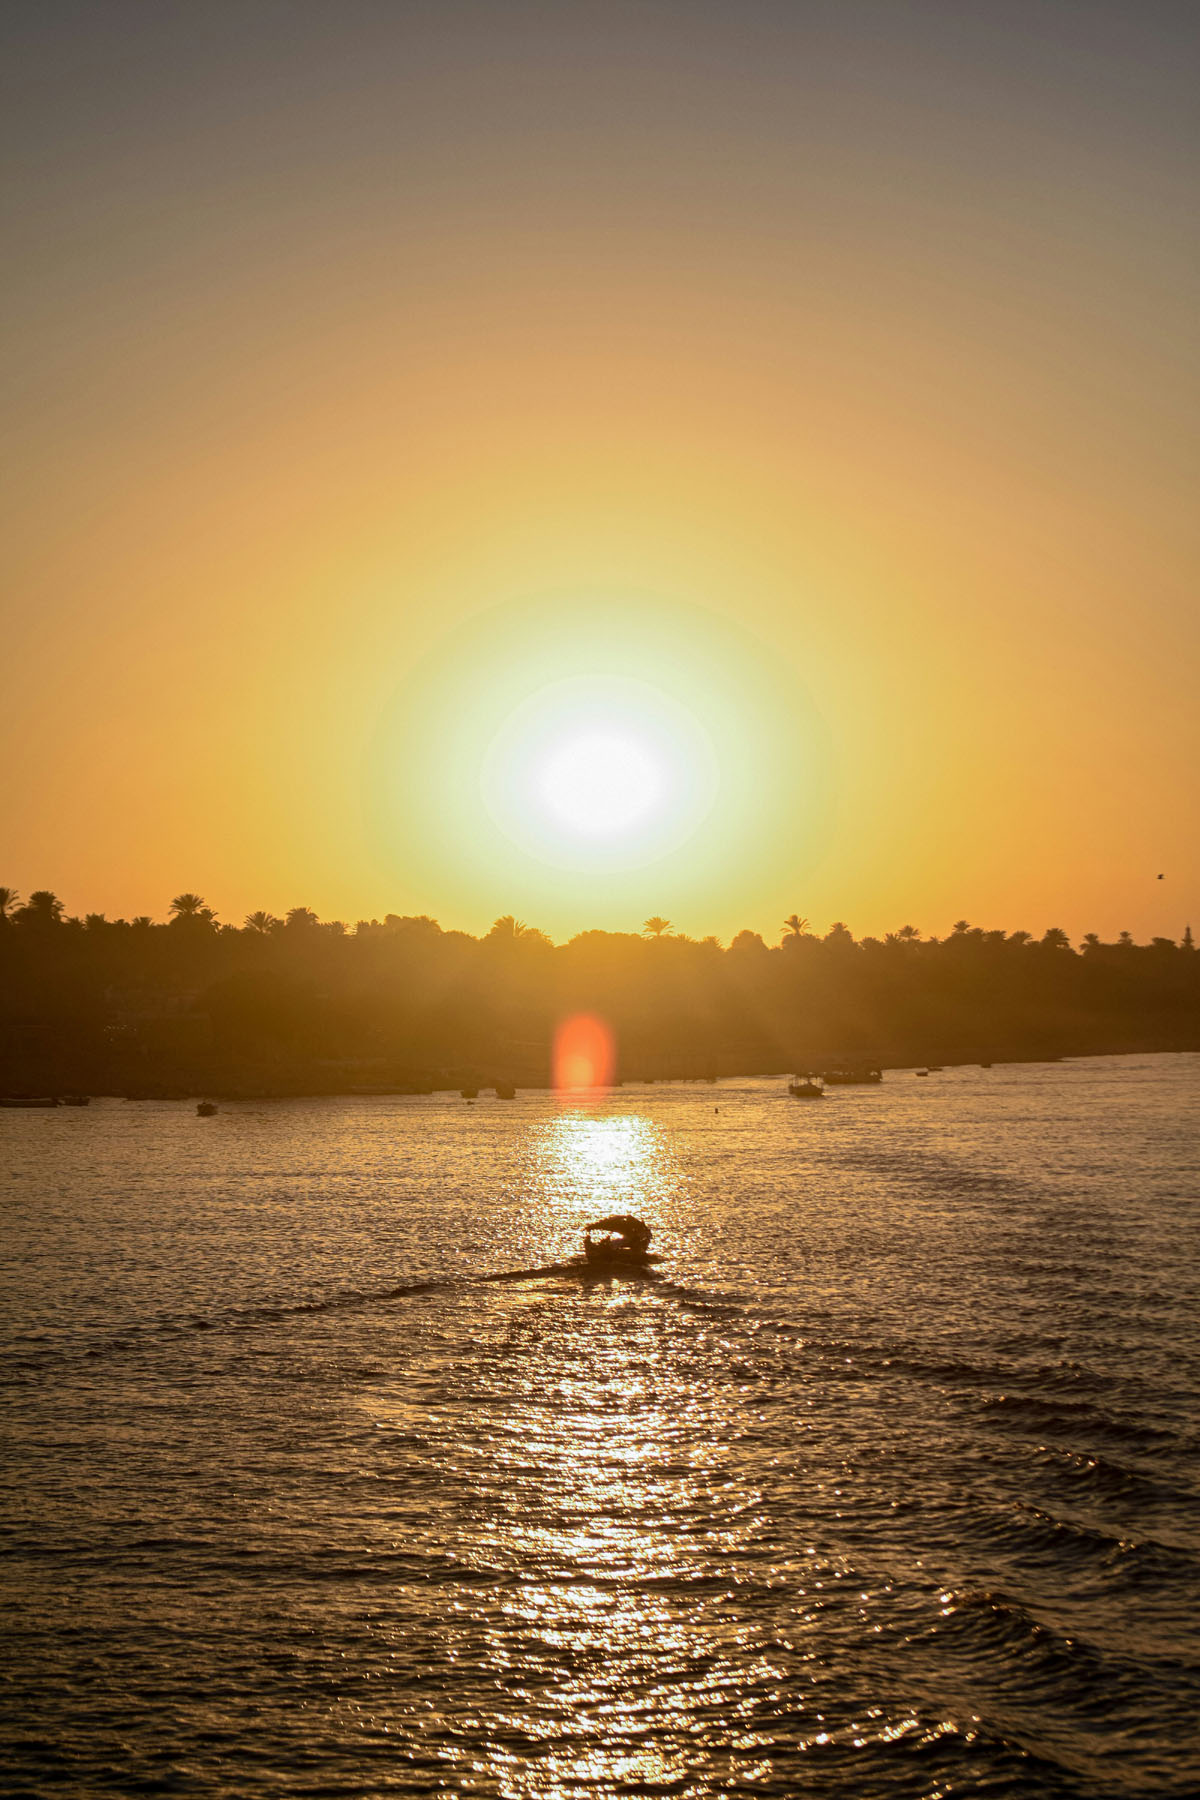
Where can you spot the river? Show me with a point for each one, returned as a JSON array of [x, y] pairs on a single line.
[[886, 1487]]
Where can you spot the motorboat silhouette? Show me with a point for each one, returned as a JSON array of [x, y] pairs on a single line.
[[624, 1248], [806, 1087]]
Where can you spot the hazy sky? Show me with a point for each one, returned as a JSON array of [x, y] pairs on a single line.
[[829, 369]]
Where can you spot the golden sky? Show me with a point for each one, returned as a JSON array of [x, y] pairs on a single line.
[[826, 369]]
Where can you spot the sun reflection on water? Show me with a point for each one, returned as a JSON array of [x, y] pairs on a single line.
[[621, 1530], [583, 1164], [607, 1589]]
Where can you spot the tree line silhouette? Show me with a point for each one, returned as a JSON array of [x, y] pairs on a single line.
[[301, 1005]]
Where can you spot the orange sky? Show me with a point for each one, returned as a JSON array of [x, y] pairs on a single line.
[[851, 345]]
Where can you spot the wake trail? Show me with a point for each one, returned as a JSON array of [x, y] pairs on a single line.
[[27, 1356]]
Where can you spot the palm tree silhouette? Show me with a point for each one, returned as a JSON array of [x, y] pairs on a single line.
[[43, 908], [262, 922], [8, 899], [794, 925], [188, 906], [655, 927], [508, 927]]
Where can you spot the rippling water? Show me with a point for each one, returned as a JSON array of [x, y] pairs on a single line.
[[887, 1487]]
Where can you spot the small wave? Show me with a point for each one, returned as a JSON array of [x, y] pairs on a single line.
[[1032, 1533], [1073, 1418], [1078, 1472], [993, 1628]]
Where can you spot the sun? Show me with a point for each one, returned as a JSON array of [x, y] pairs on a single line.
[[599, 773], [601, 782]]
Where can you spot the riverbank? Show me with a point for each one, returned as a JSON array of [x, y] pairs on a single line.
[[324, 1078]]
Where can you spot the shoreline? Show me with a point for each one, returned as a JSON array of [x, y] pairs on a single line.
[[470, 1087]]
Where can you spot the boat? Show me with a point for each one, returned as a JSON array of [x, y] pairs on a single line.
[[505, 1090], [623, 1250], [806, 1087], [74, 1100], [48, 1100], [921, 1071], [206, 1108], [851, 1075]]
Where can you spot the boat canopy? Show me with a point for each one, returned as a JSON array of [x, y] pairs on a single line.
[[636, 1232]]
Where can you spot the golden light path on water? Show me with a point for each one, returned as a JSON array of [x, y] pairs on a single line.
[[613, 1510]]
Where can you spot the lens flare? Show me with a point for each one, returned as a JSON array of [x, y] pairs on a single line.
[[584, 1055]]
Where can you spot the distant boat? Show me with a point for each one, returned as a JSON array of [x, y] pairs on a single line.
[[505, 1090], [206, 1108], [921, 1071], [469, 1093], [47, 1100], [853, 1075], [806, 1087], [74, 1100]]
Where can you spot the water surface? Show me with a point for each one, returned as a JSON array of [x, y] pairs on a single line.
[[887, 1487]]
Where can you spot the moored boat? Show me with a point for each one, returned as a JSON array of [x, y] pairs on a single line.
[[18, 1100], [852, 1075], [806, 1087]]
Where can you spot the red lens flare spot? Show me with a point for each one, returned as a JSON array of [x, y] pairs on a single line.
[[584, 1054]]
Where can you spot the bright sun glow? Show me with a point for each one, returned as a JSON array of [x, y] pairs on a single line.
[[601, 782], [600, 773]]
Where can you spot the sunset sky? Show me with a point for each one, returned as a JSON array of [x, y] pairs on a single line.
[[794, 404]]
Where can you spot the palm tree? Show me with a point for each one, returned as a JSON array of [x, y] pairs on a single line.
[[261, 922], [656, 927], [42, 908], [509, 928], [300, 918], [795, 926], [961, 927], [188, 906], [8, 899], [1056, 939], [908, 934]]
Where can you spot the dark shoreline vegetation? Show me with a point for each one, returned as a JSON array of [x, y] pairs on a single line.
[[297, 1006]]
